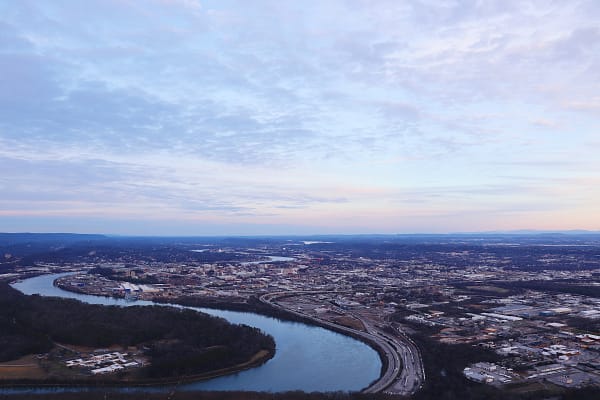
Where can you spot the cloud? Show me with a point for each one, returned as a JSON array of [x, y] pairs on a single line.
[[276, 110], [545, 123]]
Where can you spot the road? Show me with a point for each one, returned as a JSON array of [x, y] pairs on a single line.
[[412, 375], [404, 373], [407, 374]]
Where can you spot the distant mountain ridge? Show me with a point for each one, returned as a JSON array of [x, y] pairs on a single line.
[[21, 244], [8, 239], [539, 232]]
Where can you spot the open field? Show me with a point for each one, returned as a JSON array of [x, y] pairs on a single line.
[[487, 288], [350, 322], [26, 367]]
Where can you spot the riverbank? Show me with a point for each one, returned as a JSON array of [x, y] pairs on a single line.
[[256, 305], [147, 346], [308, 357], [253, 304]]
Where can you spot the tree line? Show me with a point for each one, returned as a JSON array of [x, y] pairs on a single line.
[[179, 341]]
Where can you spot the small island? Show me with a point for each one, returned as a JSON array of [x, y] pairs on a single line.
[[47, 340]]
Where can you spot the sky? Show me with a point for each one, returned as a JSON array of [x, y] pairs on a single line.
[[192, 117]]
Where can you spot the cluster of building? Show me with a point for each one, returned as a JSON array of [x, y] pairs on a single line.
[[104, 363], [558, 374], [490, 373], [539, 334]]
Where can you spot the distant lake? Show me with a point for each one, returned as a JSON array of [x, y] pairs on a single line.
[[270, 260], [307, 358]]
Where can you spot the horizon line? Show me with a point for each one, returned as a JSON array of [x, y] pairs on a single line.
[[523, 232]]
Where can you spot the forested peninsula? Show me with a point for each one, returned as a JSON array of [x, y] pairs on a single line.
[[163, 343]]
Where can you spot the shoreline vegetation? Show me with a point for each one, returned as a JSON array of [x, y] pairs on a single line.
[[253, 305], [256, 306], [181, 345]]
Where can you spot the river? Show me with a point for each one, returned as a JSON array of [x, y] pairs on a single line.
[[307, 358]]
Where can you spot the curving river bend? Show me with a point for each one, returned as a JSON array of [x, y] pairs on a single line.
[[307, 358]]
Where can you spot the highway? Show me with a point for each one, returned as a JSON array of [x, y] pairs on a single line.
[[404, 373], [412, 375]]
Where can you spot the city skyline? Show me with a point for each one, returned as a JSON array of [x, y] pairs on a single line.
[[192, 117]]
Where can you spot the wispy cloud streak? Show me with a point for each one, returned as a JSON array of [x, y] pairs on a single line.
[[336, 116]]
